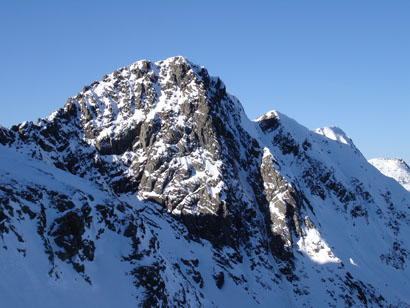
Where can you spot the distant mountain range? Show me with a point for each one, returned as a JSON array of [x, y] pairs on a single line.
[[395, 168], [152, 188]]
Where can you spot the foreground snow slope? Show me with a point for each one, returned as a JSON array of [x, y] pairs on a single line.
[[134, 252], [153, 188]]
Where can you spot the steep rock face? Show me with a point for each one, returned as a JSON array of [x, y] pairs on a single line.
[[395, 168], [266, 210], [167, 131]]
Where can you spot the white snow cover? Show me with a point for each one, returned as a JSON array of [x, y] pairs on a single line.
[[334, 133], [316, 248], [27, 283], [395, 168]]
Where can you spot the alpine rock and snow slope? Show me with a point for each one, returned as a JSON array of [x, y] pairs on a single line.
[[152, 188], [395, 168]]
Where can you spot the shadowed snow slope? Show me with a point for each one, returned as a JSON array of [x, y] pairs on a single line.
[[152, 188]]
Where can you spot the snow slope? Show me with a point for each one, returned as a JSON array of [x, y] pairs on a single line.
[[31, 277]]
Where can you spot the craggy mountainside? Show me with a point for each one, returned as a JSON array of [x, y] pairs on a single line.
[[152, 188]]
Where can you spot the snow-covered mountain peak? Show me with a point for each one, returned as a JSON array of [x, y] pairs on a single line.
[[181, 200], [395, 161], [273, 119], [181, 60], [395, 168], [269, 115], [334, 133]]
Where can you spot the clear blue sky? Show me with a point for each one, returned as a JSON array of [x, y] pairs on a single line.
[[343, 63]]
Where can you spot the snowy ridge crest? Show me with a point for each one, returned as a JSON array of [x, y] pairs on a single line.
[[334, 133]]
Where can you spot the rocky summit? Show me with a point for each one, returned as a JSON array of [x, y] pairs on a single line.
[[152, 188]]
